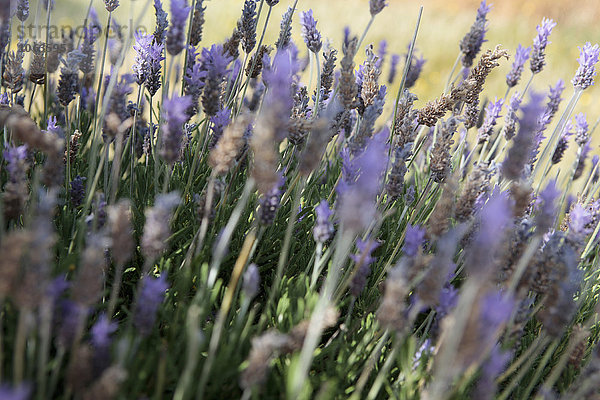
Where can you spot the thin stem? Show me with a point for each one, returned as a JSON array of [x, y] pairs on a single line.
[[238, 269], [19, 351], [114, 292], [68, 143], [364, 34], [452, 71], [283, 255]]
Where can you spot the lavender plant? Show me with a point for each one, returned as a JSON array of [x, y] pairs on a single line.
[[259, 233]]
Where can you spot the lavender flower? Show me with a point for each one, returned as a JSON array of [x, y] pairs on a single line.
[[218, 123], [197, 23], [376, 6], [251, 281], [141, 64], [415, 235], [155, 58], [538, 55], [492, 113], [357, 203], [156, 229], [285, 32], [87, 48], [523, 143], [161, 23], [312, 37], [323, 229], [510, 120], [77, 191], [495, 309], [588, 58], [176, 34], [363, 261], [546, 207], [194, 80], [21, 392], [563, 143], [269, 204], [172, 129], [381, 52], [68, 83], [581, 130], [111, 5], [247, 26], [15, 191], [470, 45], [492, 367], [521, 56], [414, 69], [393, 68], [580, 219], [101, 332], [216, 65], [279, 100], [493, 220], [149, 299], [22, 10]]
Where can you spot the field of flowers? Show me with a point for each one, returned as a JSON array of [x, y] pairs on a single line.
[[275, 216]]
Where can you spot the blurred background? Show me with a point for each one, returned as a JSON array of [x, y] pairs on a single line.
[[443, 24]]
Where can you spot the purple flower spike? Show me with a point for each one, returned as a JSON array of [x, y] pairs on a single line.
[[141, 66], [172, 130], [563, 143], [177, 32], [393, 68], [546, 206], [581, 130], [161, 22], [323, 229], [471, 43], [215, 63], [521, 55], [414, 70], [219, 121], [77, 191], [376, 6], [149, 299], [492, 112], [21, 392], [524, 142], [588, 58], [22, 10], [538, 55], [278, 99], [363, 259], [357, 203], [111, 5], [155, 58], [580, 219], [311, 35], [415, 235], [13, 156], [102, 330], [510, 120]]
